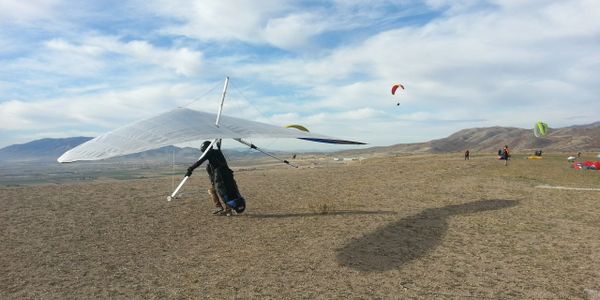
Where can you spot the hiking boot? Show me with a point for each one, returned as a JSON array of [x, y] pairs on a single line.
[[227, 212], [224, 212], [218, 211]]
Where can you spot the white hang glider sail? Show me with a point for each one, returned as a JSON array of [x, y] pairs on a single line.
[[179, 126]]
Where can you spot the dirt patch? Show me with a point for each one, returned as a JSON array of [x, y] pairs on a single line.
[[427, 226]]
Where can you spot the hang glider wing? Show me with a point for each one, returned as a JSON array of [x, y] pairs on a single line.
[[179, 126]]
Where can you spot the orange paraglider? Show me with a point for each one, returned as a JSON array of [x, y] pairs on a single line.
[[394, 88]]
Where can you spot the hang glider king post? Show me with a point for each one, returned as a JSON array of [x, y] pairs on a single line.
[[215, 141]]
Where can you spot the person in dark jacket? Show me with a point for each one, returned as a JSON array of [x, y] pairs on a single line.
[[222, 182], [505, 154]]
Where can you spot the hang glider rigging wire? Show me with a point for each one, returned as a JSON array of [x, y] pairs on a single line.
[[270, 143], [202, 96]]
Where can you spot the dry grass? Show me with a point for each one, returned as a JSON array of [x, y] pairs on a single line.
[[428, 226]]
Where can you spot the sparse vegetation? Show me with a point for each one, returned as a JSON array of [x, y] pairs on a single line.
[[320, 208]]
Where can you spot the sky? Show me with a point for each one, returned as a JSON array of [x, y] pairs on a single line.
[[82, 68]]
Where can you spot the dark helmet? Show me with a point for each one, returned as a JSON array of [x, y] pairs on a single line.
[[204, 146]]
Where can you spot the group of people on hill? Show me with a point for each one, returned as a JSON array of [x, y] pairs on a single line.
[[503, 153], [223, 188]]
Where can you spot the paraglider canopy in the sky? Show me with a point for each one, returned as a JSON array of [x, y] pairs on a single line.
[[394, 88], [540, 129], [299, 127]]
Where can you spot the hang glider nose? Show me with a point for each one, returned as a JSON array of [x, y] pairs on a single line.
[[182, 125]]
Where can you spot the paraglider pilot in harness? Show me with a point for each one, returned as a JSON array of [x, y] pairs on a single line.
[[224, 190]]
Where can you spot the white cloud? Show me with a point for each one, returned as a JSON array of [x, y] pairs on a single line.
[[62, 46], [360, 114], [63, 66], [293, 31], [477, 60], [288, 25], [11, 113], [474, 63], [217, 20], [182, 61], [26, 11], [97, 110], [286, 118]]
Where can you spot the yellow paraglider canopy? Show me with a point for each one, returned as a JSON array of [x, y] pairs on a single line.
[[534, 157], [540, 129], [299, 127]]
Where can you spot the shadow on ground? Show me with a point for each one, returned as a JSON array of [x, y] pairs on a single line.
[[400, 242], [315, 214]]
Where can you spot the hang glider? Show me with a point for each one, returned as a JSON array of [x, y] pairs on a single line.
[[179, 126], [185, 125]]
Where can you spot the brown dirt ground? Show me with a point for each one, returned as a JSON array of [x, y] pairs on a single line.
[[419, 226]]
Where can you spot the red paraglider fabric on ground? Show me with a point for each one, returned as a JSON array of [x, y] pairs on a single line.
[[586, 165]]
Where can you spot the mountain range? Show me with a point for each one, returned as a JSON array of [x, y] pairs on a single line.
[[567, 139], [489, 139], [48, 150], [578, 138]]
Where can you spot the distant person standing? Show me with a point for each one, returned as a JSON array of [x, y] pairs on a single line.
[[467, 154], [505, 154], [578, 154]]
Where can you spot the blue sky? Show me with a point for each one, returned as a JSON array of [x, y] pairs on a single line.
[[72, 68]]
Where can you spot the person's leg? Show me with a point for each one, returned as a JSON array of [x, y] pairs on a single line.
[[221, 191], [216, 201]]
